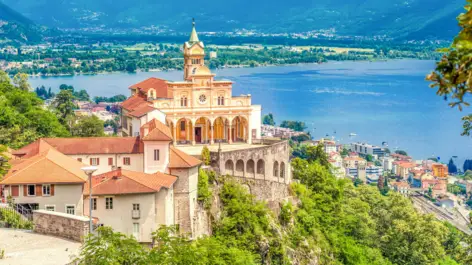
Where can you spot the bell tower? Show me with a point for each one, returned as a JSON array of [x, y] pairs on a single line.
[[194, 54]]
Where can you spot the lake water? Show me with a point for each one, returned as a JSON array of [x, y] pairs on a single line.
[[379, 101]]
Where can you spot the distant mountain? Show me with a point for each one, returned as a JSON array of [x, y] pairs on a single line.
[[417, 19], [16, 27]]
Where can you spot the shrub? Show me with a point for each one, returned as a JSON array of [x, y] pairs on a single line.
[[14, 219], [204, 192], [206, 156]]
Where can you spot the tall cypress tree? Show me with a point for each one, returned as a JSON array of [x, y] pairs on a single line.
[[451, 166]]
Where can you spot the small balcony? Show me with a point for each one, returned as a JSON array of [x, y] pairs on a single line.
[[135, 214]]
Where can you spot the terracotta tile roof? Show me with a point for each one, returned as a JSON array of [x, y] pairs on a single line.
[[157, 131], [141, 110], [179, 159], [160, 85], [48, 166], [127, 182], [97, 145], [134, 102], [401, 184], [407, 164], [354, 158]]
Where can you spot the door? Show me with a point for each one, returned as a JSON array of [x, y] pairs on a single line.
[[198, 135]]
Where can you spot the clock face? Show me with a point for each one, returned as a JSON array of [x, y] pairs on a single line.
[[202, 98]]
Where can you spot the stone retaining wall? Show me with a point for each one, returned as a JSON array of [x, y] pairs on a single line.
[[63, 225]]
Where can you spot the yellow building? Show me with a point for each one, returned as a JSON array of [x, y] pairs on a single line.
[[440, 170], [198, 109]]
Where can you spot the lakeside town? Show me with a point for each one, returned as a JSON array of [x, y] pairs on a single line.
[[179, 169]]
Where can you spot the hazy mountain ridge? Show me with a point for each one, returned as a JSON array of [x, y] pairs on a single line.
[[397, 18], [16, 27]]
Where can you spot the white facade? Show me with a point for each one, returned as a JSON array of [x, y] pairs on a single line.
[[367, 149], [155, 209], [136, 161], [64, 197]]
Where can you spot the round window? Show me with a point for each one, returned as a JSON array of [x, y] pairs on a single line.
[[202, 98]]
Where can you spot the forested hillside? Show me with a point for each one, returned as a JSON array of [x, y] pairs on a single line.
[[417, 19], [328, 221], [16, 27]]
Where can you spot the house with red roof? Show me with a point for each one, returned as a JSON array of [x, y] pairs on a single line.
[[131, 202], [144, 174]]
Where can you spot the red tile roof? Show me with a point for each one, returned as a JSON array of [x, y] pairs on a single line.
[[141, 110], [122, 181], [157, 131], [86, 145], [134, 102], [160, 85], [179, 159], [46, 166]]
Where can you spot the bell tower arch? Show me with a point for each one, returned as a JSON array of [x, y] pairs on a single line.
[[194, 54]]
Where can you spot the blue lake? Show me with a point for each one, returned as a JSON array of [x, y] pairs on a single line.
[[379, 101]]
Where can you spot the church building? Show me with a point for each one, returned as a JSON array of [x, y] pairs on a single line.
[[198, 109]]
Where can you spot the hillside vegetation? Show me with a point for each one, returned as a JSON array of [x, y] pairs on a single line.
[[417, 19], [329, 222]]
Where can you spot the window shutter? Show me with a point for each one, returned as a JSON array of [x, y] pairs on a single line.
[[98, 161], [52, 189], [110, 161], [79, 159], [129, 160], [15, 191], [90, 161], [24, 190], [39, 190], [123, 160]]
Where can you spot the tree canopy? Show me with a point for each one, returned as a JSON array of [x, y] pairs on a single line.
[[268, 119], [23, 118], [453, 74]]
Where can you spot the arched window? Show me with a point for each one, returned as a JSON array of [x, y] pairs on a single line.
[[276, 169], [282, 170], [221, 101], [261, 167], [183, 101], [194, 70]]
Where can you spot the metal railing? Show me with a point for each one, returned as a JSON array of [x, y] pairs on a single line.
[[16, 216]]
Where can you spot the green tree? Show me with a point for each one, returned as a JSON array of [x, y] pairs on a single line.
[[452, 168], [4, 78], [298, 126], [204, 193], [64, 106], [21, 81], [23, 118], [206, 155], [108, 247], [453, 74], [90, 126], [268, 119], [401, 152], [4, 165], [369, 158]]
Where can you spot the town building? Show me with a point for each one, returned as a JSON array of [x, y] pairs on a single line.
[[387, 163], [439, 170], [148, 163], [368, 149], [44, 178], [329, 146], [133, 203], [199, 109], [401, 187], [336, 162], [280, 132], [402, 168]]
